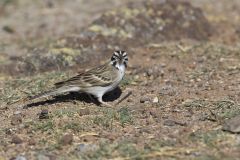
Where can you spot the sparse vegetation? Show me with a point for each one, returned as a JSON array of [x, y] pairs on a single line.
[[74, 126], [44, 126], [125, 116]]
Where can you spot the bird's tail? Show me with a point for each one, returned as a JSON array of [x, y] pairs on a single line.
[[56, 91], [49, 93], [45, 94]]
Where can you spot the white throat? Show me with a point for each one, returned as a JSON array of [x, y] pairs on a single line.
[[121, 67]]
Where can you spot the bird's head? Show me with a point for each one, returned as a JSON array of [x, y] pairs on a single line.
[[119, 59]]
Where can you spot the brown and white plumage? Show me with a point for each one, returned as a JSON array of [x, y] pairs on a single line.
[[96, 81]]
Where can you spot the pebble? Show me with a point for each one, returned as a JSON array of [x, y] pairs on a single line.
[[232, 125], [17, 112], [16, 139], [9, 131], [163, 65], [154, 112], [32, 141], [16, 119], [167, 90], [169, 122], [144, 99], [67, 139], [155, 100], [84, 111], [44, 114]]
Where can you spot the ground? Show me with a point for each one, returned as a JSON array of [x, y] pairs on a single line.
[[183, 76]]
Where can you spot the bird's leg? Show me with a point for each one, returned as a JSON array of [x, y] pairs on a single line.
[[104, 103], [124, 97], [91, 98]]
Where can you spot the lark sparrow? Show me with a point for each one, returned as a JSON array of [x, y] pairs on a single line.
[[96, 81]]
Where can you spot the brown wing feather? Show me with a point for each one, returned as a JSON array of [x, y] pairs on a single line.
[[99, 76]]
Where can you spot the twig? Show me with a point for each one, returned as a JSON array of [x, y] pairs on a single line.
[[124, 97]]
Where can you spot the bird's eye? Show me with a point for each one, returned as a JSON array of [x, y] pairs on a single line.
[[113, 59]]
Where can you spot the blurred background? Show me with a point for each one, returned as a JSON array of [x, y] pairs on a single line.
[[24, 22], [34, 27]]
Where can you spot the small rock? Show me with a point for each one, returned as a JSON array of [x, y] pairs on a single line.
[[172, 69], [9, 131], [136, 77], [8, 29], [17, 112], [16, 139], [31, 142], [169, 122], [154, 112], [67, 139], [155, 100], [144, 99], [232, 125], [44, 114], [167, 90], [163, 65], [129, 100], [149, 72], [16, 119], [168, 81], [84, 111], [162, 73]]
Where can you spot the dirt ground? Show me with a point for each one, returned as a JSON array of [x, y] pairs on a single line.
[[183, 75]]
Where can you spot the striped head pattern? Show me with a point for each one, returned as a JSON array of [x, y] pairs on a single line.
[[119, 59]]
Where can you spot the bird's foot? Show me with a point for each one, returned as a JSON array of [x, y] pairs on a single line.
[[106, 104]]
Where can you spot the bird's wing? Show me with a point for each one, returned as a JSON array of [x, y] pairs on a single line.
[[100, 76]]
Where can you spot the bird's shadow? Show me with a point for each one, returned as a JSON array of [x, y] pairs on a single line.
[[76, 96]]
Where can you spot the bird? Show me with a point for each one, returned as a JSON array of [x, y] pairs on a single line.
[[94, 82]]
